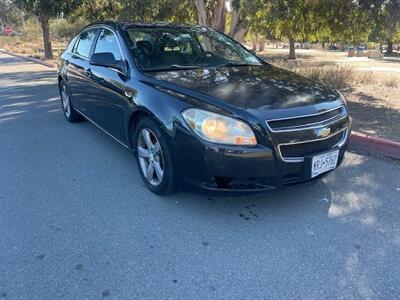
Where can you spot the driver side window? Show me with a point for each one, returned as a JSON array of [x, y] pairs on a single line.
[[107, 42]]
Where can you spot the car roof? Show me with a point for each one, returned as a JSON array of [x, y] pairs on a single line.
[[126, 25]]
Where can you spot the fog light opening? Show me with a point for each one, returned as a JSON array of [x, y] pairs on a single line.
[[223, 182]]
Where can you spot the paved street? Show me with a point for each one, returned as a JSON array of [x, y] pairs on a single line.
[[76, 221]]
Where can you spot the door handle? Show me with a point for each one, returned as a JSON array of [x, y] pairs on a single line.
[[88, 73], [128, 94]]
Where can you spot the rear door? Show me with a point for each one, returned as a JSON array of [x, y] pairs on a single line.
[[107, 86], [78, 69]]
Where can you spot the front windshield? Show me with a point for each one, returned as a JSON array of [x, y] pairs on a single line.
[[157, 49]]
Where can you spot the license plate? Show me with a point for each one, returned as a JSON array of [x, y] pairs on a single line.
[[324, 162]]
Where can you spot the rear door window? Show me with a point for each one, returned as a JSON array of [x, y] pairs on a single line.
[[85, 42]]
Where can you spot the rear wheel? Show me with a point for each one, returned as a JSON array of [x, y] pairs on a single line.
[[153, 157], [69, 112]]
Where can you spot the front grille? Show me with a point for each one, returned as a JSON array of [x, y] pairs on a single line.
[[306, 120], [307, 148]]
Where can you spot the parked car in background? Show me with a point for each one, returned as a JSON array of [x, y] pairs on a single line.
[[198, 109]]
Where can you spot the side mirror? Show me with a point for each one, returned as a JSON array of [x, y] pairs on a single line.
[[107, 60]]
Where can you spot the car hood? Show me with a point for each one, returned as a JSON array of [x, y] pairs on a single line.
[[251, 87]]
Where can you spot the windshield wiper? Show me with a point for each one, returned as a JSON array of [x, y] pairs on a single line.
[[172, 68], [232, 64]]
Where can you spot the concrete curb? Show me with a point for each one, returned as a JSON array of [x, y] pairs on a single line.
[[31, 59], [374, 145]]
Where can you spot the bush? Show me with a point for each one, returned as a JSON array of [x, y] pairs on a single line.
[[365, 78], [334, 76], [392, 83], [337, 77]]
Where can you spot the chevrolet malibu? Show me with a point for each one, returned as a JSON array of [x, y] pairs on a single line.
[[198, 109]]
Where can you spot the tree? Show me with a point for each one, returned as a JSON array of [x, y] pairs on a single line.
[[97, 10], [211, 13], [344, 21], [180, 11], [291, 19], [391, 20], [384, 20], [315, 21], [44, 10], [242, 13]]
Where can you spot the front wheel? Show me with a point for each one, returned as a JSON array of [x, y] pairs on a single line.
[[153, 157]]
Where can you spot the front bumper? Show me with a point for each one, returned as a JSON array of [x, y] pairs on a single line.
[[241, 169]]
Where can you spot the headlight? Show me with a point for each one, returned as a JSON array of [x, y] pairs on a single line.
[[219, 129]]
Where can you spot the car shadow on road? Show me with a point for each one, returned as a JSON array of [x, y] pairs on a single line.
[[31, 77]]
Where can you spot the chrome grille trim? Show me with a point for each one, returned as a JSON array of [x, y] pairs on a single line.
[[342, 141], [314, 125]]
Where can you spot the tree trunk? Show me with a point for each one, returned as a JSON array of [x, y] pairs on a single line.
[[237, 31], [201, 12], [292, 53], [235, 19], [240, 35], [389, 47], [254, 41], [218, 16], [261, 43], [48, 50]]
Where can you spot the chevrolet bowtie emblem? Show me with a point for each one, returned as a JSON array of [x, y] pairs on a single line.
[[324, 132]]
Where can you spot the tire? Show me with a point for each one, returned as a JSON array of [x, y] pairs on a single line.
[[153, 157], [69, 112]]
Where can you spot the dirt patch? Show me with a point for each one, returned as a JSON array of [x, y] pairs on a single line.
[[375, 106], [32, 48]]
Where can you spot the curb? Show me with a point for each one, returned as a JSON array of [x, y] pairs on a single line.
[[31, 59], [374, 145]]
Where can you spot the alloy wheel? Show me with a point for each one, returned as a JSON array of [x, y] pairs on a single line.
[[66, 104], [150, 157]]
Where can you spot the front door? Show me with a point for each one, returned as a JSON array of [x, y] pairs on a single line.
[[106, 104]]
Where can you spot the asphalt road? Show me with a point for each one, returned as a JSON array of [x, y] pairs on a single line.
[[76, 221]]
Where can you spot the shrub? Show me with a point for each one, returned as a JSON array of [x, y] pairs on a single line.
[[365, 78], [392, 82], [337, 77]]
